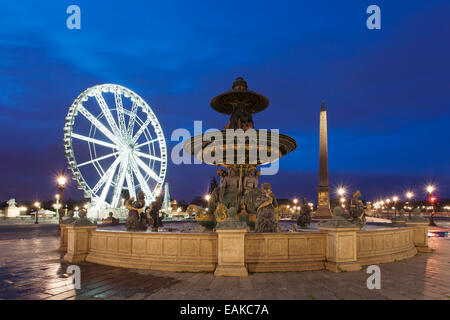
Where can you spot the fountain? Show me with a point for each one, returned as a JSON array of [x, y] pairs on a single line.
[[335, 244], [239, 150]]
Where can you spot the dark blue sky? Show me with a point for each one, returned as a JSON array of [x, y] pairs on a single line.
[[387, 91]]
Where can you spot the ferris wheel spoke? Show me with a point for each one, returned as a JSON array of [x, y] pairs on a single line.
[[97, 123], [150, 172], [145, 143], [120, 114], [110, 174], [141, 180], [141, 130], [132, 119], [96, 141], [106, 175], [109, 118], [148, 156], [130, 183], [98, 159], [119, 183]]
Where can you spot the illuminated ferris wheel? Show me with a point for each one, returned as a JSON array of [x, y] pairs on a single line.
[[114, 145]]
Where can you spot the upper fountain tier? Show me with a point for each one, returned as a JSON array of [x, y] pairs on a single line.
[[239, 95], [242, 144]]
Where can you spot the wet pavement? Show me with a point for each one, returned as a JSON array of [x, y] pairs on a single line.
[[31, 268]]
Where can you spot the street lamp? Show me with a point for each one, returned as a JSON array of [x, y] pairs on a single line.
[[37, 204], [409, 195], [395, 199], [207, 197], [431, 199], [61, 180]]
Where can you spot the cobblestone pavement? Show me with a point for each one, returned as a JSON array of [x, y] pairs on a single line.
[[30, 268]]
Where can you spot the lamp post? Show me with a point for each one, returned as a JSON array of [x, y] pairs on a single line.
[[295, 201], [57, 205], [37, 204], [431, 199], [61, 180], [409, 195], [395, 199]]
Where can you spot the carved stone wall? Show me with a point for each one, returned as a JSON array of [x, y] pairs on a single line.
[[268, 252], [154, 251], [379, 246]]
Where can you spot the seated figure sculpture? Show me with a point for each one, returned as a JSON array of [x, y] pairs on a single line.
[[137, 220], [304, 220], [357, 214], [266, 219]]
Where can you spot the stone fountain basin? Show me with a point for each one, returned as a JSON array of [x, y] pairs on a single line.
[[194, 251]]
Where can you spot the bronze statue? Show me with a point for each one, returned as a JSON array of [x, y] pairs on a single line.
[[70, 217], [357, 214], [251, 191], [229, 190], [240, 118], [82, 219], [137, 219], [155, 208], [266, 220], [304, 220], [215, 194], [110, 219]]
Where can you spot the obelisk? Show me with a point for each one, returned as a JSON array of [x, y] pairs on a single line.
[[323, 191]]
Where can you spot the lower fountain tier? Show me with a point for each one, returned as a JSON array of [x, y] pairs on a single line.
[[258, 146]]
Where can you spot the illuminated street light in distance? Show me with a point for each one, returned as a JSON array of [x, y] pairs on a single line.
[[62, 180]]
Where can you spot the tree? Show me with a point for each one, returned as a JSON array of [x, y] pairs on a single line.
[[212, 185], [199, 201]]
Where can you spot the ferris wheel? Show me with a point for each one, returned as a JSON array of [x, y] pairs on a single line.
[[114, 145]]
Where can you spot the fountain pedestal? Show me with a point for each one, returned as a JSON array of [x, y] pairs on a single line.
[[341, 249], [231, 254], [78, 243]]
